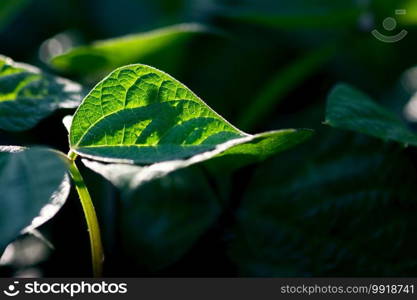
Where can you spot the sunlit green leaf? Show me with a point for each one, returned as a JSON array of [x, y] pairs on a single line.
[[350, 109], [104, 56], [27, 95], [139, 114], [34, 186]]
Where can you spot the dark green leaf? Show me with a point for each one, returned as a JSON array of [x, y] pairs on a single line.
[[28, 95], [34, 186], [164, 218], [350, 109], [350, 211]]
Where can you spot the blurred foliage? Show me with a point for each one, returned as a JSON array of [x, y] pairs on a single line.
[[345, 211], [162, 46], [342, 204], [296, 14], [349, 109], [9, 9], [163, 218]]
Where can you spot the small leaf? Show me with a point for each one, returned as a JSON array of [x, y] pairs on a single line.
[[350, 109], [28, 95], [139, 114], [34, 185], [104, 56]]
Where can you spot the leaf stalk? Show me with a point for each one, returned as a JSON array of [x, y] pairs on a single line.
[[91, 218]]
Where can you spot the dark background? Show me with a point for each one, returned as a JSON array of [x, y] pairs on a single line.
[[340, 205]]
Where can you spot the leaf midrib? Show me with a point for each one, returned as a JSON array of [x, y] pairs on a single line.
[[215, 117], [151, 146]]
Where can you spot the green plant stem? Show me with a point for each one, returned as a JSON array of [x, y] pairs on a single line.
[[91, 218]]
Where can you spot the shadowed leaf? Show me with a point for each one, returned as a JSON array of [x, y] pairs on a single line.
[[162, 219], [332, 215], [350, 109], [34, 185], [27, 95]]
